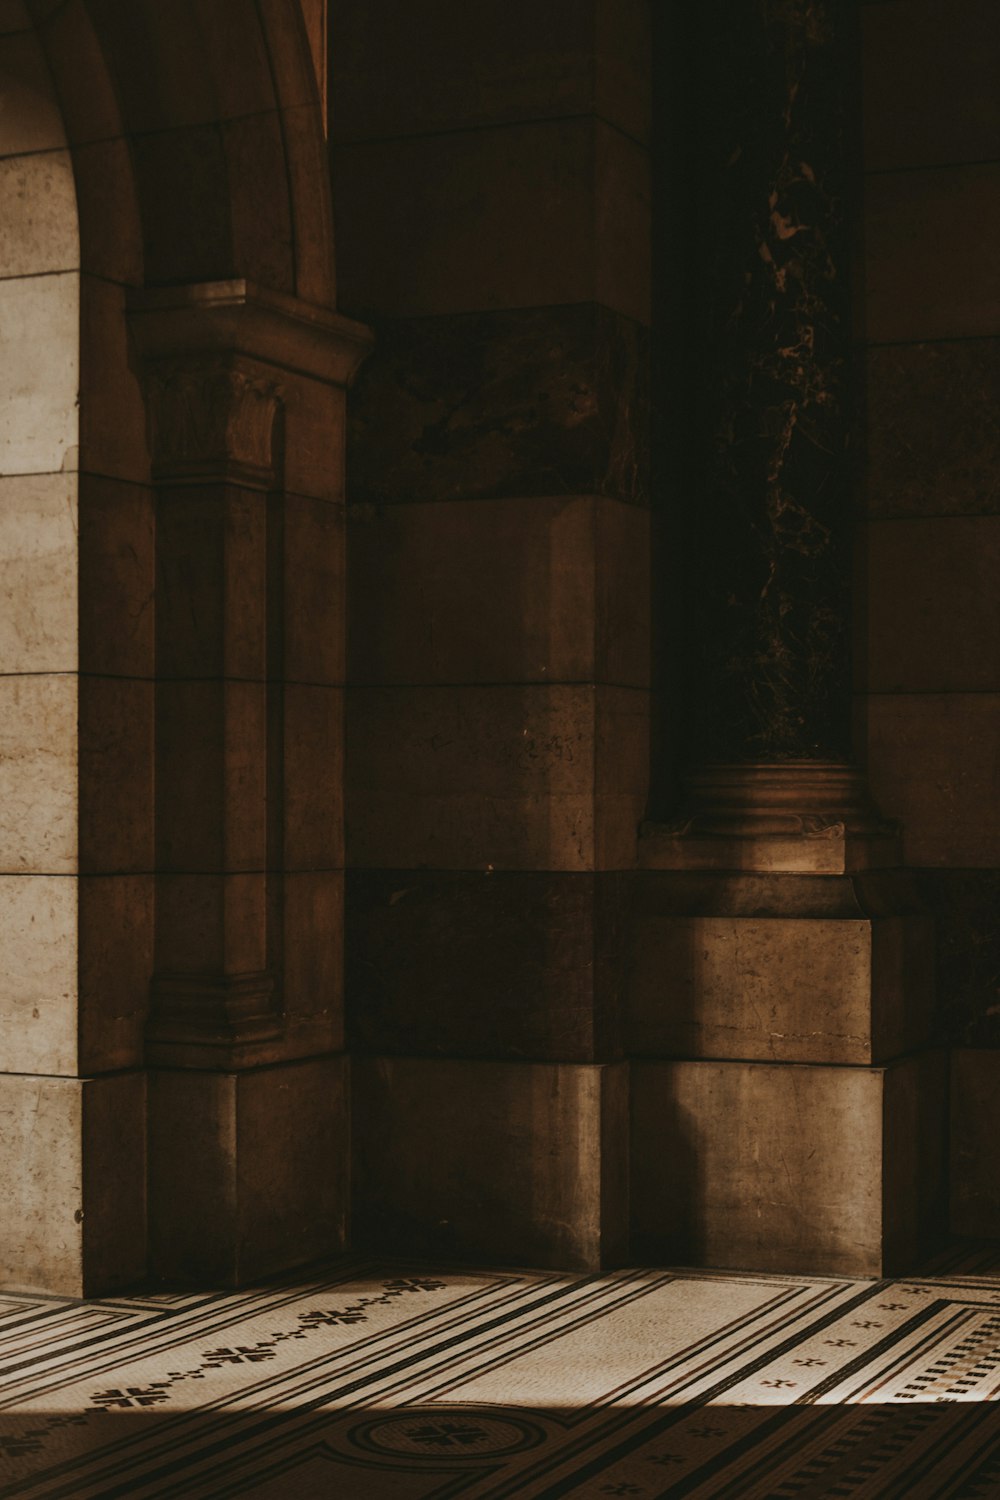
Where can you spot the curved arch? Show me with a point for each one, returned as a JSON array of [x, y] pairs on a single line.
[[220, 159]]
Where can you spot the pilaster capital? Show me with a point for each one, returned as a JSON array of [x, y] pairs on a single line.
[[239, 319], [208, 416]]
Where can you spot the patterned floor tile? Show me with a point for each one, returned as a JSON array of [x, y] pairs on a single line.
[[368, 1380]]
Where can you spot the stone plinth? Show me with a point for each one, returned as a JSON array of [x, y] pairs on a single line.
[[247, 1171], [516, 1162], [782, 968], [825, 1170]]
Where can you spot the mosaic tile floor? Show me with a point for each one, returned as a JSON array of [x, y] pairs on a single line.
[[371, 1380]]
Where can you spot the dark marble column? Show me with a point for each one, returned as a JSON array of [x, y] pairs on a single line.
[[756, 172]]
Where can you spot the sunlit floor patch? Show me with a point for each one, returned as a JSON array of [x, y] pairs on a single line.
[[410, 1383]]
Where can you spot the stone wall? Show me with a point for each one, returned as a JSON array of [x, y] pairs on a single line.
[[490, 178], [928, 668]]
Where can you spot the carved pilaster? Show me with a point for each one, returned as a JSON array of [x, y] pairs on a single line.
[[230, 368], [211, 418]]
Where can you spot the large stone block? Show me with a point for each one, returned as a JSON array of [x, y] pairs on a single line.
[[72, 1180], [39, 801], [116, 774], [922, 280], [975, 1142], [312, 970], [115, 967], [931, 606], [932, 763], [918, 464], [541, 589], [38, 974], [39, 522], [248, 1171], [117, 578], [522, 965], [113, 411], [497, 62], [843, 988], [826, 1170], [39, 373], [38, 228], [967, 938], [531, 777], [475, 201], [509, 1162], [32, 120], [313, 777], [930, 84], [314, 547]]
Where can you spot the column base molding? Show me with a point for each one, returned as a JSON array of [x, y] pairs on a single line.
[[795, 817], [211, 1021]]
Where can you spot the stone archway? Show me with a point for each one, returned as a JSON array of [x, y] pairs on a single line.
[[199, 802]]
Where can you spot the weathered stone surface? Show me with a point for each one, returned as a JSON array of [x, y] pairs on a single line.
[[931, 605], [930, 84], [532, 214], [248, 1171], [484, 1160], [32, 120], [38, 774], [314, 546], [313, 716], [39, 373], [778, 989], [922, 281], [505, 965], [115, 966], [113, 416], [531, 401], [115, 829], [38, 573], [38, 228], [975, 1123], [38, 974], [117, 574], [779, 1167], [964, 906], [512, 590], [532, 777], [932, 764], [488, 64], [73, 1181], [313, 957], [917, 463]]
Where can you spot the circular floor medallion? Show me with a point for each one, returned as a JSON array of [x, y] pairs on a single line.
[[440, 1434]]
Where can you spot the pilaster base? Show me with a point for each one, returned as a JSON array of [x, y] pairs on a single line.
[[778, 1167], [515, 1163], [72, 1183], [248, 1171]]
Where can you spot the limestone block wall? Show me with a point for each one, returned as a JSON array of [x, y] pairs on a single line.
[[171, 647], [75, 698], [928, 667], [491, 199]]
